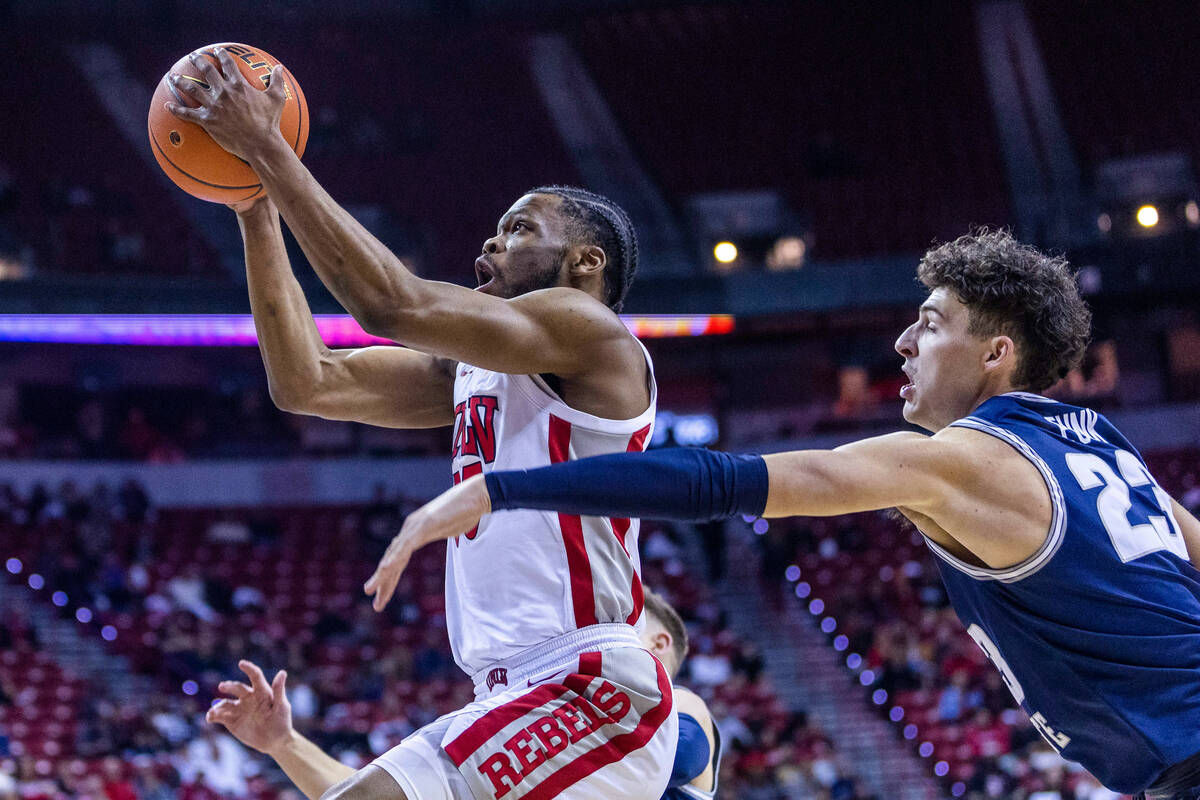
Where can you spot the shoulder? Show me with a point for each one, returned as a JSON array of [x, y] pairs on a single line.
[[571, 307], [692, 704]]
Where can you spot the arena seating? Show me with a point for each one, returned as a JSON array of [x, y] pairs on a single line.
[[745, 96], [85, 200], [1134, 99], [185, 593]]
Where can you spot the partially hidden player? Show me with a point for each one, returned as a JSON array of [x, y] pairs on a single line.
[[698, 756], [532, 367], [1068, 564]]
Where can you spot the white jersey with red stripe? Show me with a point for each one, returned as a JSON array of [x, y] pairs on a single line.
[[524, 577]]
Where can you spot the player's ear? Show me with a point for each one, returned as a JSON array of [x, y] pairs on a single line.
[[586, 260], [1001, 353]]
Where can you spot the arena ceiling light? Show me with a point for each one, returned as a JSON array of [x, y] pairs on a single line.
[[1147, 216], [725, 252], [228, 330]]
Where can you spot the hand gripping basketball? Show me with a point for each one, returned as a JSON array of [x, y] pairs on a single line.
[[235, 114], [213, 108]]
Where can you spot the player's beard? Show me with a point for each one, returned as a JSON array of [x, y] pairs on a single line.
[[541, 276]]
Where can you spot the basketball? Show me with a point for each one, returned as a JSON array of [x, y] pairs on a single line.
[[186, 152]]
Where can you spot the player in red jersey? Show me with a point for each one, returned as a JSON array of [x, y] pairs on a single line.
[[532, 368]]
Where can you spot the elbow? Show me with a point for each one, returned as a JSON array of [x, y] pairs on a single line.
[[378, 322], [394, 310], [290, 399], [398, 319]]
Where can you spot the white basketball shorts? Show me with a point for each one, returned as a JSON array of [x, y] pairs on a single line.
[[586, 715]]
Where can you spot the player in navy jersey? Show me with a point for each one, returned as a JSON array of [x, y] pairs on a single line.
[[1069, 565], [698, 754]]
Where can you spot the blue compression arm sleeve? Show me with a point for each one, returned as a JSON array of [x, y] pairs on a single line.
[[692, 754], [685, 483]]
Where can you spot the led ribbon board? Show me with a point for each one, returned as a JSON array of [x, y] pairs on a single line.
[[227, 330]]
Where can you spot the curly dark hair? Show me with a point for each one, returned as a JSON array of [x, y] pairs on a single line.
[[1013, 289], [594, 219]]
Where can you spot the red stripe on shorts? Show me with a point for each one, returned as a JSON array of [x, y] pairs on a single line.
[[494, 721], [611, 751], [589, 663], [583, 595]]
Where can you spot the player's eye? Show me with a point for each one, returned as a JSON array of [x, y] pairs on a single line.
[[518, 225]]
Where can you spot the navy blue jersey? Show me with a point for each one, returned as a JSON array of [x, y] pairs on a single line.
[[687, 791], [1097, 634]]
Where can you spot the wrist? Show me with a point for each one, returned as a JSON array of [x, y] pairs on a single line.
[[257, 211], [481, 496], [268, 151], [284, 746]]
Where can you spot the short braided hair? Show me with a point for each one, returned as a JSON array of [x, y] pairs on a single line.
[[595, 219], [1013, 289]]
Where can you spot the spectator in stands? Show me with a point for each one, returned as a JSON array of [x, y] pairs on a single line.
[[229, 529], [218, 761], [988, 737], [133, 502], [117, 785], [186, 591], [957, 697], [147, 783]]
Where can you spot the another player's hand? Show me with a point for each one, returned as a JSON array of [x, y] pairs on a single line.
[[452, 513], [237, 115], [258, 714]]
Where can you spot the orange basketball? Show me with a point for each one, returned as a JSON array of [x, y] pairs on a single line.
[[191, 158]]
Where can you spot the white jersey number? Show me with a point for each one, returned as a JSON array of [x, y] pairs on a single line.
[[1057, 739], [1113, 504]]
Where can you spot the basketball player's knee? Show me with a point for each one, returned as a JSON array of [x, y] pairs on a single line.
[[369, 783]]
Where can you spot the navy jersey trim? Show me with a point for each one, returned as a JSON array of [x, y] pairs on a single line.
[[1058, 519], [1037, 398]]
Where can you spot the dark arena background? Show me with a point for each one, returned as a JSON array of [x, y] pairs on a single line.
[[785, 164]]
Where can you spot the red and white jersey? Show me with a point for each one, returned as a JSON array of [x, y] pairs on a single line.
[[523, 577]]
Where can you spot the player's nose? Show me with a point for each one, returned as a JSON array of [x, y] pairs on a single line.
[[906, 345], [492, 245]]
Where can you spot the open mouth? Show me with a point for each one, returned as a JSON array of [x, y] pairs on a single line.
[[907, 389], [485, 272]]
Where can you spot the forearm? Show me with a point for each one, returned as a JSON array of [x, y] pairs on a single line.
[[364, 276], [288, 338], [681, 483], [309, 767]]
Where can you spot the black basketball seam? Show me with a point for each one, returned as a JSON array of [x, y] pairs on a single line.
[[193, 177], [300, 104]]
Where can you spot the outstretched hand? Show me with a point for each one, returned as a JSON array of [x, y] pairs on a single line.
[[258, 714], [237, 115], [452, 513]]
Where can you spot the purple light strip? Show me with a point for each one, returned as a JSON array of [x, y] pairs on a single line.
[[226, 330]]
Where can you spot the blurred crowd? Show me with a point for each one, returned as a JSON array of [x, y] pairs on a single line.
[[174, 592]]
